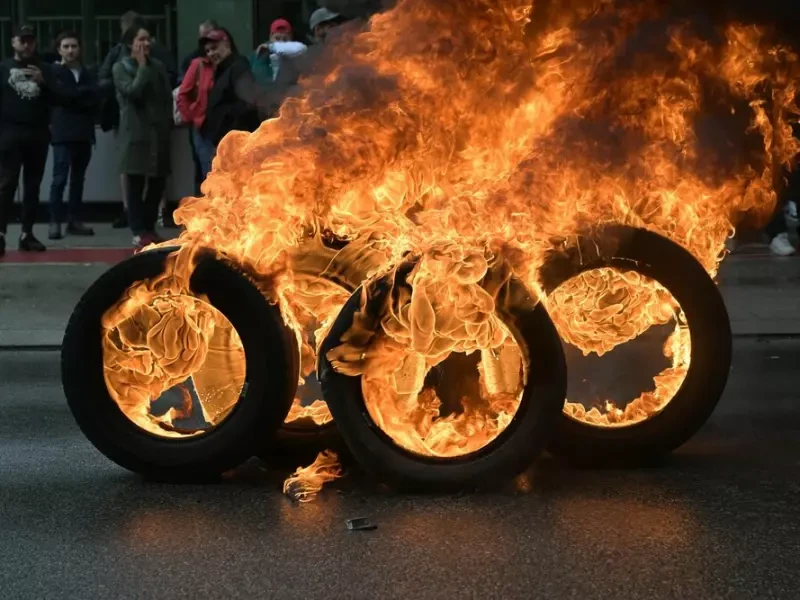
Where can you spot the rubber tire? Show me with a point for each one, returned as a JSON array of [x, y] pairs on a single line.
[[511, 453], [675, 268], [271, 374]]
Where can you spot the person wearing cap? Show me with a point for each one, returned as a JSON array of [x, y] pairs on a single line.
[[268, 57], [28, 91], [192, 103], [323, 20], [232, 99]]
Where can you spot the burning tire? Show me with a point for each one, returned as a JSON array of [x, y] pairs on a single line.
[[242, 377], [541, 397], [686, 393]]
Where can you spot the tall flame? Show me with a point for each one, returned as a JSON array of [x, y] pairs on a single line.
[[475, 133]]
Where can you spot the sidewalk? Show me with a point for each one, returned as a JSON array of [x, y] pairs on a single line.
[[38, 292]]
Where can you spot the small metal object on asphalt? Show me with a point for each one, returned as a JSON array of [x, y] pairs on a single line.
[[360, 524]]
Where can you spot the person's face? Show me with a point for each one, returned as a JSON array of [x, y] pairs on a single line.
[[218, 51], [24, 47], [203, 31], [280, 36], [321, 30], [69, 50], [143, 39]]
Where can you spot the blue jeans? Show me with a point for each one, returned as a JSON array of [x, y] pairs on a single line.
[[205, 152], [70, 161]]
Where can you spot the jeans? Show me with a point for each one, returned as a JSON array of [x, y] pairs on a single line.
[[69, 161], [144, 197], [30, 158], [205, 151]]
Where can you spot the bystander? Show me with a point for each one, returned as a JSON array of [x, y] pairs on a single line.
[[232, 101], [144, 93], [72, 136], [27, 92]]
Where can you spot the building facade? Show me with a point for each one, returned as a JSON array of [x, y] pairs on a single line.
[[174, 22]]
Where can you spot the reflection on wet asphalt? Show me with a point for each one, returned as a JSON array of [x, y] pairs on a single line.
[[720, 518]]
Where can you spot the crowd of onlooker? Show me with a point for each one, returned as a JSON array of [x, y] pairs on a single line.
[[141, 94]]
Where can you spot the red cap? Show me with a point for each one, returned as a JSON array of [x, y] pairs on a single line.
[[215, 35], [280, 26]]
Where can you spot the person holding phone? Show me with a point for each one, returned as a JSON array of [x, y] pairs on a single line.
[[27, 93]]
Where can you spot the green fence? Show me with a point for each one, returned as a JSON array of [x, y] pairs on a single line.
[[99, 32]]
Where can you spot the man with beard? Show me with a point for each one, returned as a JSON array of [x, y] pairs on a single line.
[[27, 93]]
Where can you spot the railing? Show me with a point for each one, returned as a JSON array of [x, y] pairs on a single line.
[[103, 31]]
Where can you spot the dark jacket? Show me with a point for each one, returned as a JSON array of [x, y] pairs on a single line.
[[232, 101], [25, 105], [145, 99], [109, 109], [75, 123]]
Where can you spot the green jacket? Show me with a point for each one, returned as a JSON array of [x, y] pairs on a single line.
[[145, 101]]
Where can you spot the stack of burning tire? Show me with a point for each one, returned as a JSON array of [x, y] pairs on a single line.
[[183, 373]]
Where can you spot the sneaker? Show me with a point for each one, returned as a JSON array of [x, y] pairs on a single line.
[[142, 241], [28, 243], [78, 228], [2, 245], [791, 210], [781, 246], [121, 222], [55, 232]]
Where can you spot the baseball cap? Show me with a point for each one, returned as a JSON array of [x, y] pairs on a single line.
[[24, 31], [215, 35], [280, 26], [320, 16]]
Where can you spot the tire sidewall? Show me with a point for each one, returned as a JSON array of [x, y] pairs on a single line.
[[264, 402]]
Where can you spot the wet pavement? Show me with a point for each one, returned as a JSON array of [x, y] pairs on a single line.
[[719, 519]]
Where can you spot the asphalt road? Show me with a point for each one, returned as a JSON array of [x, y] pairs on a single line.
[[720, 519]]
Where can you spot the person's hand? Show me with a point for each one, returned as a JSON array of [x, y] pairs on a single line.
[[138, 53], [262, 48], [34, 73]]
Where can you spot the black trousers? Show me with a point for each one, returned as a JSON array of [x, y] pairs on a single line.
[[144, 197], [28, 157]]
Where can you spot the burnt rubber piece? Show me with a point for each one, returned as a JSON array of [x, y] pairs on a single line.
[[509, 454], [271, 374], [668, 263]]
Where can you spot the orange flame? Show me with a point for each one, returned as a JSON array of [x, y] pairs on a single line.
[[463, 131], [306, 482]]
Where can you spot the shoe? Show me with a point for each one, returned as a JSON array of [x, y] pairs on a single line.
[[121, 222], [781, 246], [2, 245], [28, 243], [142, 241], [791, 210], [78, 228], [55, 232]]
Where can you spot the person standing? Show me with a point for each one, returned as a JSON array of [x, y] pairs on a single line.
[[27, 91], [72, 136], [268, 57], [144, 93], [232, 102], [192, 101], [110, 117]]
